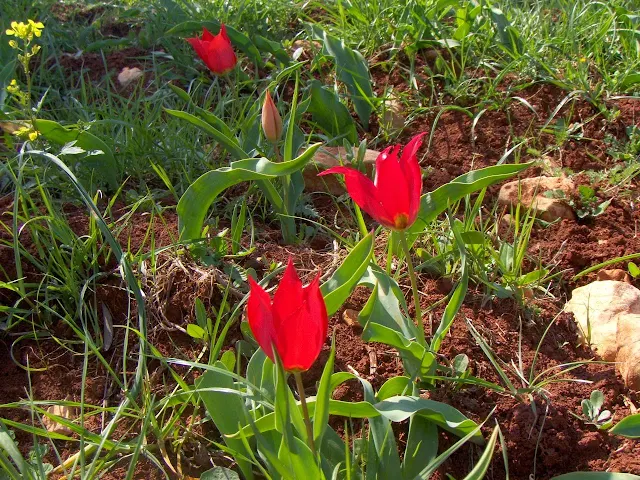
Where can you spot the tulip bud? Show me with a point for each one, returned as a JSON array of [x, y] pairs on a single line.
[[271, 121]]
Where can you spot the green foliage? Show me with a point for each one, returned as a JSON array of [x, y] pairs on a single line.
[[352, 70], [331, 115], [628, 427], [99, 158], [195, 203], [592, 411]]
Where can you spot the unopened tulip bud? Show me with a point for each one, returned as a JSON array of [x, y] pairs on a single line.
[[271, 121]]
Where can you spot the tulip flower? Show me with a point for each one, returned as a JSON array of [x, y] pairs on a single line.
[[393, 198], [215, 51], [295, 323], [271, 121]]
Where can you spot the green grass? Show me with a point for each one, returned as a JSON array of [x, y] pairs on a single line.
[[452, 57]]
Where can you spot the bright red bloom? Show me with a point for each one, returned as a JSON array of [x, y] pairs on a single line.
[[295, 323], [393, 198], [215, 51]]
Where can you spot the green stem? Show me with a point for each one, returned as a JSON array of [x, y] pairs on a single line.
[[414, 287], [305, 411], [361, 225], [389, 253]]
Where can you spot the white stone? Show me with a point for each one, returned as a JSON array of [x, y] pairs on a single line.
[[608, 317], [128, 75], [530, 193]]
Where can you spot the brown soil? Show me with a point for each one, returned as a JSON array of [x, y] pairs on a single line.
[[543, 442], [98, 67]]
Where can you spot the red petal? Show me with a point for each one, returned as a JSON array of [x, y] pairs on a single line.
[[364, 193], [413, 174], [223, 33], [220, 55], [207, 36], [260, 316], [198, 46], [303, 332], [391, 183], [288, 296]]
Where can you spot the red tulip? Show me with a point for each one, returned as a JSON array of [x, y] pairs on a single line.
[[295, 323], [393, 198], [215, 51]]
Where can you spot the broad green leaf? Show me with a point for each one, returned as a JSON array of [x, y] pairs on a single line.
[[321, 416], [195, 331], [194, 204], [533, 277], [418, 361], [330, 114], [352, 70], [300, 460], [509, 36], [628, 427], [386, 304], [445, 416], [274, 48], [422, 446], [596, 476], [434, 203], [103, 163], [383, 460], [229, 143], [238, 39], [629, 81], [396, 409], [394, 386], [227, 411], [337, 289], [205, 115], [633, 269], [219, 473]]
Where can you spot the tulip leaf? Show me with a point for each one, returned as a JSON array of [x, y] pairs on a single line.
[[229, 143], [209, 117], [388, 304], [628, 427], [434, 203], [321, 417], [344, 280], [330, 114], [352, 70], [226, 411], [422, 446], [396, 409], [418, 361], [274, 48], [394, 386], [102, 161], [194, 204], [238, 39], [219, 130], [383, 460]]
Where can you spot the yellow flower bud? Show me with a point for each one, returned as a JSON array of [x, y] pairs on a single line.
[[271, 121]]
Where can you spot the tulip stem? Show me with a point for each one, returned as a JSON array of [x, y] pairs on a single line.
[[414, 288], [305, 411]]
